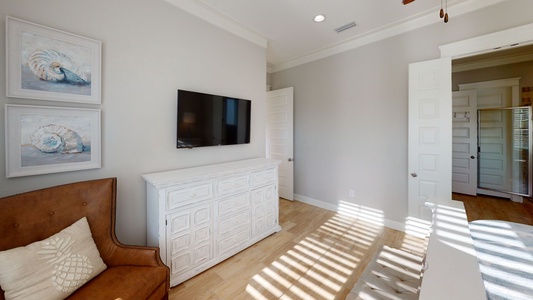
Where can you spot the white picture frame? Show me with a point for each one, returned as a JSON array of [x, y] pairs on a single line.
[[45, 139], [49, 64]]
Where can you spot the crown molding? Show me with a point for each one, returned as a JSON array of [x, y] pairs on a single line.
[[423, 19], [214, 17], [501, 40]]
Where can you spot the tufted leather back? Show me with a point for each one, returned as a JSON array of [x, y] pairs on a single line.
[[33, 216]]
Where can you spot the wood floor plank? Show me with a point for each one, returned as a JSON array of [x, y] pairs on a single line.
[[231, 288], [320, 254], [491, 208]]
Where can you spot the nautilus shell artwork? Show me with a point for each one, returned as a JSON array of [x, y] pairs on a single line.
[[51, 65], [54, 138]]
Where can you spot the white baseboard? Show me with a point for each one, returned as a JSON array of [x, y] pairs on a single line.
[[335, 207]]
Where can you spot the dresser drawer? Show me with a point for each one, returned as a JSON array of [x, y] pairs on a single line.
[[233, 223], [233, 204], [263, 177], [232, 185], [182, 197], [233, 241]]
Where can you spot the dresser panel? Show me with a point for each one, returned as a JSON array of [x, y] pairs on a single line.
[[259, 225], [264, 209], [202, 234], [190, 217], [187, 260], [180, 263], [202, 253], [180, 243], [180, 222]]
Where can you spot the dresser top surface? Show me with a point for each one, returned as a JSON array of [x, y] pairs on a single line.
[[163, 179]]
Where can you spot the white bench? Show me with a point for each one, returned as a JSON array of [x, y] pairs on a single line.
[[392, 274]]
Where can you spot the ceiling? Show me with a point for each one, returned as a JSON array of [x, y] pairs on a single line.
[[286, 27]]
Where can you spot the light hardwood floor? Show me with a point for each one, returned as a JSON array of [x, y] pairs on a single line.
[[320, 254], [491, 208]]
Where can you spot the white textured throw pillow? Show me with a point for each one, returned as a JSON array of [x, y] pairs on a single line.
[[52, 268]]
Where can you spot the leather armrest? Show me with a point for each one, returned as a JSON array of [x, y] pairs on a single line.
[[134, 256], [121, 255]]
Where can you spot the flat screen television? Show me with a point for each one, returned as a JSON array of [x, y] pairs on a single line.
[[212, 120]]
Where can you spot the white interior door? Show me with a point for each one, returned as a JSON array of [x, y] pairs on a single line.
[[464, 142], [493, 166], [430, 134], [494, 142], [280, 143]]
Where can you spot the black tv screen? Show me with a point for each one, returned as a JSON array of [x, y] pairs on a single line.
[[212, 120]]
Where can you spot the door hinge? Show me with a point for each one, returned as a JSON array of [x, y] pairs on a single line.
[[166, 222]]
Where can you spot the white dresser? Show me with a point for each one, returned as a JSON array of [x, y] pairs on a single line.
[[201, 216]]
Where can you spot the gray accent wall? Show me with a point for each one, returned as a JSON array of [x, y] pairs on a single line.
[[350, 112]]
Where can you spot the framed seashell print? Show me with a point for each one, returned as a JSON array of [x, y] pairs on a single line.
[[45, 139], [49, 64]]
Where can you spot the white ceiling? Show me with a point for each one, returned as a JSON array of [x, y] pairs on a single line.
[[287, 29]]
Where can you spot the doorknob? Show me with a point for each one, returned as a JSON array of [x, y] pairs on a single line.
[[472, 157], [290, 159], [414, 175]]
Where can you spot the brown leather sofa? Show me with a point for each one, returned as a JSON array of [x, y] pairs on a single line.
[[132, 272]]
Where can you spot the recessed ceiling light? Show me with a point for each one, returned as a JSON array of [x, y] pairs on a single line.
[[319, 18]]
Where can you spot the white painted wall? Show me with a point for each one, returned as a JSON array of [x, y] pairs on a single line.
[[351, 112], [150, 49]]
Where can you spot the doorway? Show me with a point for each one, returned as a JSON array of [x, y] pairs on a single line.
[[486, 44], [498, 79], [280, 137]]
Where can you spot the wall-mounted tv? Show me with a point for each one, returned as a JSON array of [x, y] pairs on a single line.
[[212, 120]]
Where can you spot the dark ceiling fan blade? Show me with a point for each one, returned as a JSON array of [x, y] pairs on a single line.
[[407, 1]]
